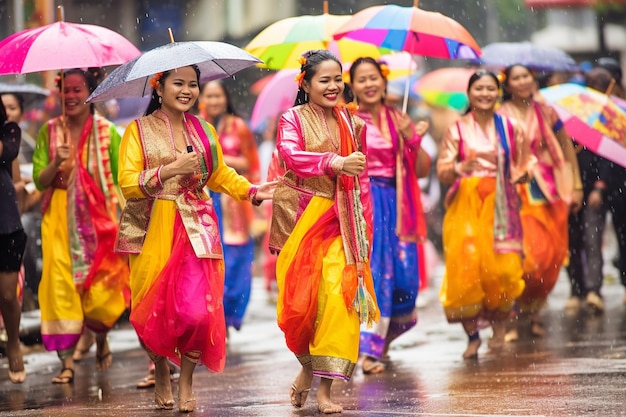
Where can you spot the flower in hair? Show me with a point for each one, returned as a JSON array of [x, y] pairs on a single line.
[[501, 77], [352, 107], [154, 81], [384, 70], [302, 60], [57, 79], [299, 78]]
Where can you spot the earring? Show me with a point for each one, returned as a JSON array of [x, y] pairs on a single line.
[[160, 99]]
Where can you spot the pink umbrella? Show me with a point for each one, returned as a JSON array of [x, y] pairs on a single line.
[[277, 96], [63, 45]]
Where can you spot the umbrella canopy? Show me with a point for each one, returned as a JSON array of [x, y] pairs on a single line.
[[63, 45], [31, 93], [591, 118], [445, 87], [281, 44], [410, 29], [538, 57], [215, 60], [400, 64], [278, 95]]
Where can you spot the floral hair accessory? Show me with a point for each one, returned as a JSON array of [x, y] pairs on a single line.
[[501, 77], [299, 78], [302, 60], [384, 70], [154, 81], [352, 107], [57, 79]]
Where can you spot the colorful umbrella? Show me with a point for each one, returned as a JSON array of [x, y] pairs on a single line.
[[278, 95], [63, 45], [539, 57], [400, 64], [445, 87], [591, 118], [215, 60], [410, 29], [280, 44], [413, 30]]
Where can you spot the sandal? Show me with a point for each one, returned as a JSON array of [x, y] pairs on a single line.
[[63, 378], [103, 360], [375, 366], [298, 398], [148, 381]]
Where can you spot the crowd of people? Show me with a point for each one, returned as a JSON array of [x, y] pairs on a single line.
[[160, 220]]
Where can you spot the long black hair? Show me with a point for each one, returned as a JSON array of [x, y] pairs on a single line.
[[312, 60], [348, 94], [506, 94], [154, 99], [92, 78], [477, 76]]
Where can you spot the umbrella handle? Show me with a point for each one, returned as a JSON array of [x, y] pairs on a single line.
[[405, 101]]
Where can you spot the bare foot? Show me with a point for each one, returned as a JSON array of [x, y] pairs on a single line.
[[329, 408], [17, 372], [162, 386], [472, 349]]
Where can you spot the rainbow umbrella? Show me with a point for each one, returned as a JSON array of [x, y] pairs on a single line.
[[445, 87], [400, 65], [281, 44], [410, 29], [413, 30], [591, 118]]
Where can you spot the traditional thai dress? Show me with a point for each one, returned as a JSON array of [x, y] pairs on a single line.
[[482, 234], [235, 219], [83, 281], [170, 231], [545, 204], [321, 224], [398, 225]]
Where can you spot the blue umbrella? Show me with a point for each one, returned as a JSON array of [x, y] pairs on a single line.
[[538, 57], [215, 60]]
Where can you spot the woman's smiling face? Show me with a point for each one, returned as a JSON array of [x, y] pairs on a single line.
[[326, 86]]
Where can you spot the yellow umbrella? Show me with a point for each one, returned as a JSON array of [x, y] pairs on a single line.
[[281, 44]]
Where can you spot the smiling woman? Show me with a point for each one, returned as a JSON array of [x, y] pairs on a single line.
[[483, 154], [170, 232], [83, 281]]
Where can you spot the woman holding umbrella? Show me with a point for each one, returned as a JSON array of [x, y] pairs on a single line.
[[548, 198], [83, 281], [235, 217], [484, 155], [321, 224], [395, 159], [169, 229]]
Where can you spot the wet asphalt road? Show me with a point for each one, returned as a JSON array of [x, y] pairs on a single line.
[[578, 369]]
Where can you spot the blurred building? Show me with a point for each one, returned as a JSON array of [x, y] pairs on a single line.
[[585, 28]]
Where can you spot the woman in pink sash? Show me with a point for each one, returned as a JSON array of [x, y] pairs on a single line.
[[554, 190], [483, 155], [170, 231]]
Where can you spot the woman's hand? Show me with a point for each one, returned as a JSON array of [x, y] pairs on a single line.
[[466, 167], [185, 163], [422, 127], [265, 191], [63, 152], [354, 164], [405, 126]]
